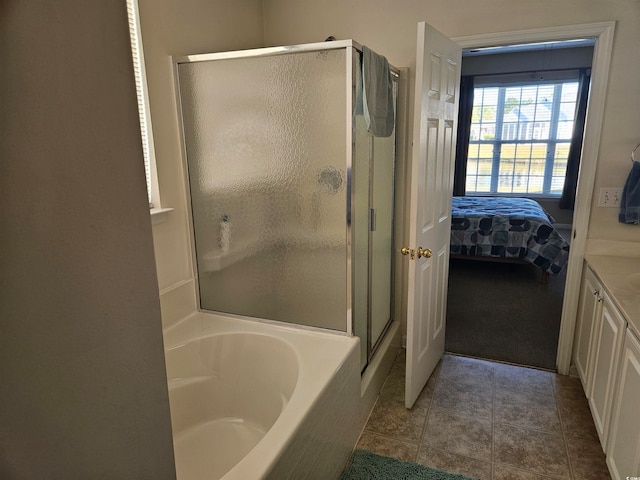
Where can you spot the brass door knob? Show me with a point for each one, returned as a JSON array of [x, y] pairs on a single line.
[[408, 251], [422, 252]]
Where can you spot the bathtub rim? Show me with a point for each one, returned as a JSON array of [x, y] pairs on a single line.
[[313, 379], [177, 330]]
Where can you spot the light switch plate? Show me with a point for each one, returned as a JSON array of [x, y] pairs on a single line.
[[609, 197]]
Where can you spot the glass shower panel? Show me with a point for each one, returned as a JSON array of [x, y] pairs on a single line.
[[360, 228], [265, 139], [372, 226], [382, 201]]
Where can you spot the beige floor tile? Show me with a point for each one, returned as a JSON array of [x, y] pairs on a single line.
[[388, 447], [390, 418], [531, 451], [474, 412], [565, 386], [576, 419], [452, 463], [464, 399], [466, 370], [525, 410], [402, 356], [399, 364], [425, 397], [502, 472], [587, 460], [523, 380], [457, 434], [393, 389]]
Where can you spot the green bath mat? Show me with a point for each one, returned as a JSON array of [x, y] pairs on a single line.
[[369, 466]]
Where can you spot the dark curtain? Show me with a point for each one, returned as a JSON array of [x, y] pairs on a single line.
[[568, 198], [464, 131]]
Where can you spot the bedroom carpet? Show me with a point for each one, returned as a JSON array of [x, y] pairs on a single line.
[[503, 312]]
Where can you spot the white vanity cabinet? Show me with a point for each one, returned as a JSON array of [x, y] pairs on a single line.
[[623, 450], [607, 357], [588, 310], [606, 346]]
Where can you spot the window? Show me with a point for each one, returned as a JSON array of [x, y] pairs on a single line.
[[520, 137], [143, 103]]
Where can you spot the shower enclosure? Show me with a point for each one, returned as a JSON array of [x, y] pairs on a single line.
[[291, 199]]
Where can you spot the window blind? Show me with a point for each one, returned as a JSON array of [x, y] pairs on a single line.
[[142, 95]]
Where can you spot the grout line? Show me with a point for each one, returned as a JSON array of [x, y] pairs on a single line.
[[426, 418], [535, 474], [395, 439], [564, 433]]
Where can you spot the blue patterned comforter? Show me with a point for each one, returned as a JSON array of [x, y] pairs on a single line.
[[509, 228]]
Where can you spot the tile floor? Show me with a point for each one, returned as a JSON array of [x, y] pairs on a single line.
[[490, 421]]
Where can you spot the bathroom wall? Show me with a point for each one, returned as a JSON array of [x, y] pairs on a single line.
[[84, 392], [181, 27]]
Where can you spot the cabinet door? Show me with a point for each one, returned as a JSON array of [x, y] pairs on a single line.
[[609, 335], [588, 310], [623, 456]]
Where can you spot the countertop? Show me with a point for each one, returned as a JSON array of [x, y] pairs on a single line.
[[620, 276]]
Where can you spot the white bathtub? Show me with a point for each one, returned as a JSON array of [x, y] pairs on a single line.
[[254, 400]]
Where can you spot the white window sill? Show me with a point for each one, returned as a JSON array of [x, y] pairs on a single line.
[[159, 215], [534, 196]]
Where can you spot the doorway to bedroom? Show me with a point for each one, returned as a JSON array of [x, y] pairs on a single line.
[[520, 134]]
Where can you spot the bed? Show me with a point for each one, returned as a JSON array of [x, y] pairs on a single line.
[[506, 228]]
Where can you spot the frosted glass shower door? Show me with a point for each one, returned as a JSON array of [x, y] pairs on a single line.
[[265, 138], [382, 202], [373, 229]]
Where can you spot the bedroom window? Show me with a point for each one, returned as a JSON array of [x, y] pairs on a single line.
[[520, 137]]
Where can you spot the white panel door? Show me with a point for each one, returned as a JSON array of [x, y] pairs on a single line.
[[434, 136], [589, 310]]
